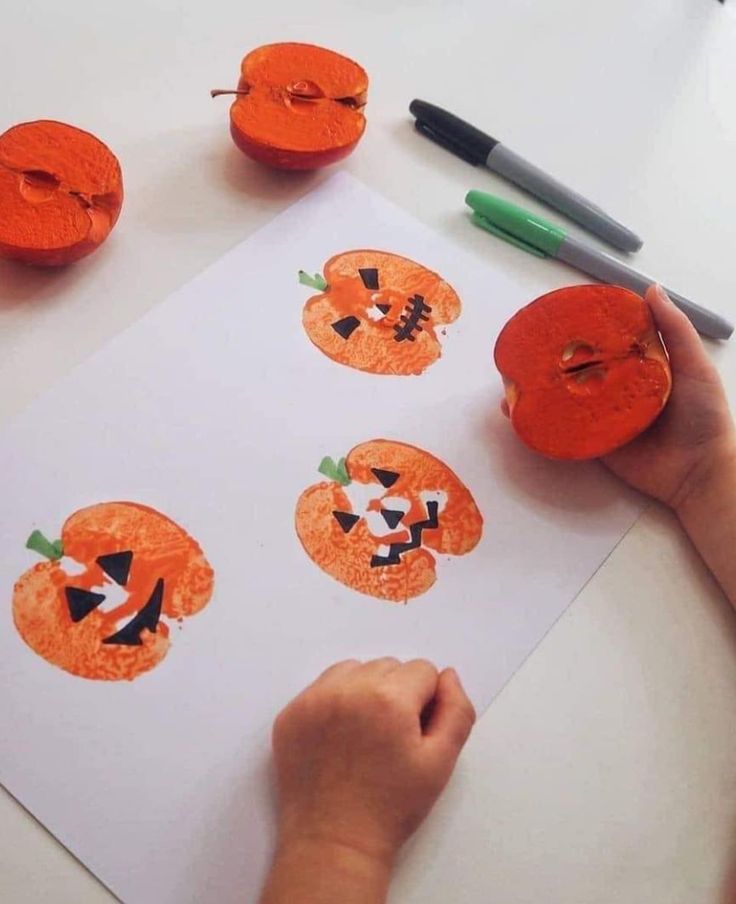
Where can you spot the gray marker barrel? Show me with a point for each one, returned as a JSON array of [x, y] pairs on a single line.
[[516, 169], [610, 270]]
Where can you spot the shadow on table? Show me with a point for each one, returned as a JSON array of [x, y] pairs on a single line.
[[254, 180], [21, 283], [560, 486], [197, 182]]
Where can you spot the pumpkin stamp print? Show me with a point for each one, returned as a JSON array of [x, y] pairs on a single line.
[[383, 513], [379, 312], [98, 606]]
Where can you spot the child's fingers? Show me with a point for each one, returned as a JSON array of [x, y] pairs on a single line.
[[382, 666], [417, 682], [338, 670], [680, 336], [453, 715]]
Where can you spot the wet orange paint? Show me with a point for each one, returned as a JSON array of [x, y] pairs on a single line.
[[163, 556], [61, 191], [585, 371], [438, 516], [299, 106], [380, 313]]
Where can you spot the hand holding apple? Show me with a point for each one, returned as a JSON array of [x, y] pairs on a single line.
[[584, 369], [696, 429]]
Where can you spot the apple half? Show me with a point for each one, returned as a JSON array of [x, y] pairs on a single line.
[[584, 370]]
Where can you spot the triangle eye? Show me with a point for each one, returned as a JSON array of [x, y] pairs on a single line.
[[391, 517], [82, 602], [346, 520], [116, 565], [346, 327], [369, 277], [385, 478], [384, 308]]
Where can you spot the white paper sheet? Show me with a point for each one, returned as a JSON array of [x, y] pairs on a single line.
[[215, 409]]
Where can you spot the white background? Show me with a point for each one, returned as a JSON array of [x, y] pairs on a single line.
[[604, 772]]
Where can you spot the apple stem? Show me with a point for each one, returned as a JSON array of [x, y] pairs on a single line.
[[43, 546], [314, 282], [216, 92], [337, 471]]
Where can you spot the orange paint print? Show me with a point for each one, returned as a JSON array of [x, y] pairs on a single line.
[[385, 509], [379, 312], [96, 608]]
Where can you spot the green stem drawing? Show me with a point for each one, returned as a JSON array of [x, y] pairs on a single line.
[[337, 472], [314, 282], [40, 544]]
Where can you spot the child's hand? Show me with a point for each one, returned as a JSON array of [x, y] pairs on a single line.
[[687, 458], [361, 756], [695, 433]]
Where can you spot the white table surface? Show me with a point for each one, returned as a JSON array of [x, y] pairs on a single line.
[[606, 770]]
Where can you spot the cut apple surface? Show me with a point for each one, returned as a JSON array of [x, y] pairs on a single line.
[[61, 191], [298, 106], [584, 371]]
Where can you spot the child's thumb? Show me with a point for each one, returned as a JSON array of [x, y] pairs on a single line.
[[683, 344]]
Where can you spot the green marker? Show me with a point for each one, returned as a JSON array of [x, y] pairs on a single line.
[[540, 237]]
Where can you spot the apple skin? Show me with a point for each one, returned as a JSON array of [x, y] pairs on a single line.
[[289, 159]]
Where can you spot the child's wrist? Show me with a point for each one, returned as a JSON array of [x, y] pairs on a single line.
[[368, 841], [335, 861], [712, 480]]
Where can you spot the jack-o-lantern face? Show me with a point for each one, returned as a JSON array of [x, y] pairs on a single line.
[[97, 608], [374, 525], [379, 312]]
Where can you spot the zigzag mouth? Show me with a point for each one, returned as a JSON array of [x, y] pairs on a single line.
[[410, 321], [396, 550]]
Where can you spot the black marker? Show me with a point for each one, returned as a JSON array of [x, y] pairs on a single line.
[[469, 143]]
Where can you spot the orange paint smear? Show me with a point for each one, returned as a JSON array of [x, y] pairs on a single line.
[[347, 556], [373, 347], [584, 369], [161, 550], [303, 106], [61, 192]]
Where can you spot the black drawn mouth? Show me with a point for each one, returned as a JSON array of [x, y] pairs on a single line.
[[410, 321], [117, 566], [396, 550], [148, 617]]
